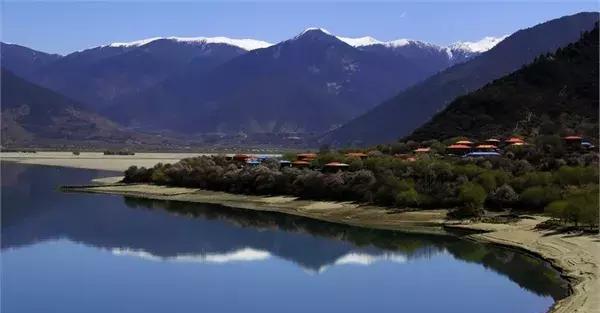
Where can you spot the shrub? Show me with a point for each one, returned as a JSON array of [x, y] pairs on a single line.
[[538, 197], [471, 196], [504, 196], [576, 176], [407, 198], [578, 207]]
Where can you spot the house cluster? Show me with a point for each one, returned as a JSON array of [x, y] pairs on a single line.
[[493, 147], [303, 160]]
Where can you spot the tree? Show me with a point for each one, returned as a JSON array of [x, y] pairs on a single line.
[[471, 196]]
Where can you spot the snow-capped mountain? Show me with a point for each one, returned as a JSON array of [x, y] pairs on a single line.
[[464, 47], [312, 82], [99, 75], [246, 44], [408, 110], [480, 46], [309, 83]]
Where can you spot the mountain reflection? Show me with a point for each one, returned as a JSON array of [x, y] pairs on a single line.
[[33, 210]]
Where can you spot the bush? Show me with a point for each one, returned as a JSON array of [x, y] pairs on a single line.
[[407, 198], [576, 176], [539, 196], [503, 197], [578, 207], [471, 196]]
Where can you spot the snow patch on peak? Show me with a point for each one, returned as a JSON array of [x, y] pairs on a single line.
[[135, 43], [482, 45], [310, 29], [246, 44], [398, 43], [360, 41]]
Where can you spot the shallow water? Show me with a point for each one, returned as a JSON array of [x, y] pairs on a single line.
[[73, 252]]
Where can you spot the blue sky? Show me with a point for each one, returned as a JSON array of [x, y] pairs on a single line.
[[64, 27]]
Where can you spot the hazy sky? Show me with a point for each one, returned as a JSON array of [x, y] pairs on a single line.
[[64, 27]]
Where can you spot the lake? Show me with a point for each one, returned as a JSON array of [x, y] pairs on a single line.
[[75, 252]]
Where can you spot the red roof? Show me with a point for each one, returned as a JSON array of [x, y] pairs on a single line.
[[301, 163], [464, 142], [573, 138], [519, 144], [241, 157], [458, 147], [514, 139]]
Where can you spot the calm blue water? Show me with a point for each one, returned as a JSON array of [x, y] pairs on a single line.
[[71, 252]]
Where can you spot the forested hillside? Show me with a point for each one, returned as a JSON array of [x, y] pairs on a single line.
[[557, 93]]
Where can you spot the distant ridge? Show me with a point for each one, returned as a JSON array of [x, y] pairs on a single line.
[[557, 94], [35, 115], [400, 115]]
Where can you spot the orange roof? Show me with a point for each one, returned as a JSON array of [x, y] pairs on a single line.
[[336, 164], [492, 140], [486, 147], [301, 163], [514, 139], [573, 138], [521, 143], [422, 150], [458, 147], [464, 142]]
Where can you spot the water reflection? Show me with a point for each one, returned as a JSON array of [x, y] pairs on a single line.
[[367, 245], [34, 211]]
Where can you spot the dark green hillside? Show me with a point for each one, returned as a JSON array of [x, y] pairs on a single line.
[[35, 115], [557, 93]]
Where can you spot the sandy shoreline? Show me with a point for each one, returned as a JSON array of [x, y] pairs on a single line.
[[576, 256], [349, 213], [95, 160]]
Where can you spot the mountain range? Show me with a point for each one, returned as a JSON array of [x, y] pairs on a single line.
[[403, 113], [355, 91], [188, 84], [310, 83]]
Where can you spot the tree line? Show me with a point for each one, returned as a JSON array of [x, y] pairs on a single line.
[[565, 187]]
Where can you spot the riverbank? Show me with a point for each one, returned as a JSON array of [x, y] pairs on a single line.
[[576, 256], [431, 221]]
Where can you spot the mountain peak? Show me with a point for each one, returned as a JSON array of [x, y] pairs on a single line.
[[315, 29], [480, 46], [314, 32]]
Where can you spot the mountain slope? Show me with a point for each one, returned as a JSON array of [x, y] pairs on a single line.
[[400, 115], [33, 114], [99, 75], [310, 83], [24, 61], [555, 93]]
